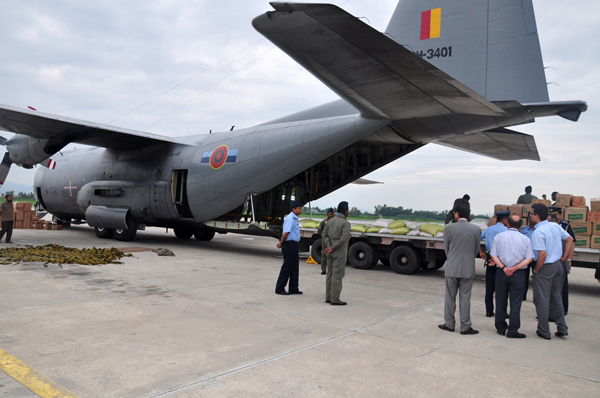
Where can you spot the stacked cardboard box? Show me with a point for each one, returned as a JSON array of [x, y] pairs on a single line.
[[25, 218], [584, 220], [593, 216], [24, 215]]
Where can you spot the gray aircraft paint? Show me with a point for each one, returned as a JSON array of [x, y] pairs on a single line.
[[496, 42], [392, 102]]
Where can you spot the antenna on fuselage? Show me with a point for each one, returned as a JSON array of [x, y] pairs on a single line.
[[231, 129]]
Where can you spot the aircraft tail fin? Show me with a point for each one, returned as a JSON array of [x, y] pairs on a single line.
[[491, 46]]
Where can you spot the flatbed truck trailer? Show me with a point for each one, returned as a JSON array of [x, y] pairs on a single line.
[[406, 254]]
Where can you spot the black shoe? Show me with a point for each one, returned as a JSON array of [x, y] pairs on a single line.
[[516, 335], [339, 303], [561, 334], [283, 293], [323, 273], [501, 333], [551, 320], [328, 301], [296, 292], [489, 314], [540, 335], [446, 328], [470, 331]]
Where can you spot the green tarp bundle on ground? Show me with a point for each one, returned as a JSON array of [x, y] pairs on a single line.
[[57, 254]]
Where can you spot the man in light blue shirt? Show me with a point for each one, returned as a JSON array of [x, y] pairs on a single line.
[[490, 272], [512, 252], [289, 248], [547, 273]]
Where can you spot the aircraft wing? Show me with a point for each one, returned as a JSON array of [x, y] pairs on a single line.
[[378, 76], [501, 144], [65, 130]]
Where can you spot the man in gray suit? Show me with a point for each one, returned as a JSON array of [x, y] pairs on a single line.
[[461, 244]]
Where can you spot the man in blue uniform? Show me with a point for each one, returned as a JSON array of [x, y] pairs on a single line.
[[490, 272], [289, 248], [512, 253], [555, 216], [527, 230], [547, 273]]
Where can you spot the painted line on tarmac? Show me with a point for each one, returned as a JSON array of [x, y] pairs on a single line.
[[32, 379], [285, 354]]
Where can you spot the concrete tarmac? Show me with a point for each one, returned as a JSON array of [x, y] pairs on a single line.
[[207, 323]]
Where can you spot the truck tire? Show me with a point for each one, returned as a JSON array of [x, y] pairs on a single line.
[[440, 260], [103, 233], [315, 250], [126, 235], [362, 255], [405, 260], [183, 233], [204, 235]]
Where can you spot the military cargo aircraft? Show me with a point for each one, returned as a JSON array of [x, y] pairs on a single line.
[[447, 72]]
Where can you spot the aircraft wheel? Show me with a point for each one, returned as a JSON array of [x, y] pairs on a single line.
[[104, 233], [315, 250], [405, 260], [183, 233], [126, 235], [362, 255], [204, 235]]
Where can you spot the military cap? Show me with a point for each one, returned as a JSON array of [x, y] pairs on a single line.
[[504, 213], [330, 210], [343, 206], [295, 203], [554, 210]]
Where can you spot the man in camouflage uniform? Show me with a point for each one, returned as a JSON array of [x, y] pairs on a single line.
[[330, 215], [335, 238]]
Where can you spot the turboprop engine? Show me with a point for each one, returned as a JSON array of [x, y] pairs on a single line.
[[27, 151]]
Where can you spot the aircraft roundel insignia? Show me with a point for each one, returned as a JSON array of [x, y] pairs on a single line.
[[219, 157]]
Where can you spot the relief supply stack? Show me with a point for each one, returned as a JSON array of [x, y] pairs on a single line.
[[583, 219], [26, 218]]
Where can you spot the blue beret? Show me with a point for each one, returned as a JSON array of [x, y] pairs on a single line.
[[343, 206]]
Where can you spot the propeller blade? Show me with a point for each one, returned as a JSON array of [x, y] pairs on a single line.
[[4, 168], [3, 141]]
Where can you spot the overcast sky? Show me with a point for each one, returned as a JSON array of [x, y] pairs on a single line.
[[99, 60]]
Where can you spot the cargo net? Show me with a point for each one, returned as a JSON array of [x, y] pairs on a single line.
[[56, 254]]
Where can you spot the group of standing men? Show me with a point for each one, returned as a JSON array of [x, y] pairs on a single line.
[[510, 252], [335, 232]]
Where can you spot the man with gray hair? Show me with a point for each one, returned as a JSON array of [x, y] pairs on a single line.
[[512, 252], [461, 244]]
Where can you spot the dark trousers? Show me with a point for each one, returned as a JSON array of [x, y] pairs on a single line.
[[290, 268], [528, 270], [565, 293], [490, 286], [7, 227], [512, 287]]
